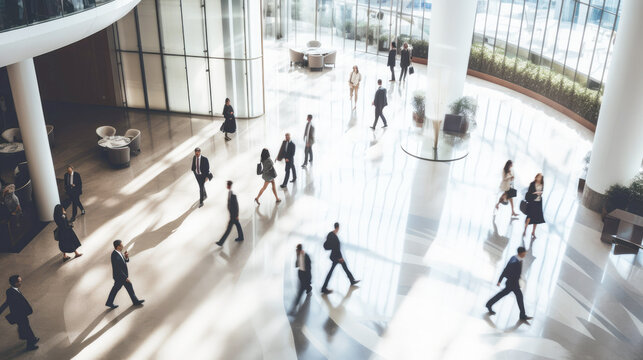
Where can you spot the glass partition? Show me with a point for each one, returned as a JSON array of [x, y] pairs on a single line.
[[20, 13]]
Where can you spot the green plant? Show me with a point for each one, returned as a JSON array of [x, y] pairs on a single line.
[[465, 106], [618, 197], [419, 106], [420, 48], [636, 199]]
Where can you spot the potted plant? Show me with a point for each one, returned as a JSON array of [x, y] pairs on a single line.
[[464, 110], [583, 176], [419, 106]]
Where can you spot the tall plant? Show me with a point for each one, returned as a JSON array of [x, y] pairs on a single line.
[[419, 106], [465, 106]]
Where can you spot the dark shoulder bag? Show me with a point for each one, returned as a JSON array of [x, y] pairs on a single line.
[[259, 169]]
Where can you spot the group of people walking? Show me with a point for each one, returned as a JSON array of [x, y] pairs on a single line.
[[405, 60]]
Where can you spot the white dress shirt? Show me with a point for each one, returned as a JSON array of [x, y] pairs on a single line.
[[198, 165], [302, 261]]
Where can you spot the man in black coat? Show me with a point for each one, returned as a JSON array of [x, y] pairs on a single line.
[[332, 244], [512, 273], [121, 276], [233, 209], [287, 152], [379, 102], [74, 188], [19, 311], [201, 170]]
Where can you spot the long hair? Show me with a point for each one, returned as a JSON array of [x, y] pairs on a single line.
[[542, 179], [264, 154], [507, 166], [58, 212], [356, 69], [227, 100]]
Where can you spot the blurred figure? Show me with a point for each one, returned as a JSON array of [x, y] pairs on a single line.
[[268, 174], [332, 244], [67, 240], [233, 209], [379, 102], [303, 272], [230, 123], [353, 83], [391, 60], [405, 61], [74, 188], [506, 186], [534, 198], [309, 140]]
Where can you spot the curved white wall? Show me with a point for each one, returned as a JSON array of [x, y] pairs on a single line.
[[33, 40]]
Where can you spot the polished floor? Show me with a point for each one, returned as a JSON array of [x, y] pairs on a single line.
[[422, 236]]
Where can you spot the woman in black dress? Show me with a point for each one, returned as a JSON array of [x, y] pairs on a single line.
[[534, 198], [230, 124], [391, 60], [67, 240], [405, 61]]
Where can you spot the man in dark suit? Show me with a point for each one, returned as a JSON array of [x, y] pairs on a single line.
[[201, 170], [309, 140], [233, 209], [303, 271], [74, 188], [287, 152], [19, 309], [121, 276], [332, 244], [512, 273], [379, 102]]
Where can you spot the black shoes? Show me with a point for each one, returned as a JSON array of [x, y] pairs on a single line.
[[73, 218], [220, 243], [491, 312], [32, 347], [111, 306], [283, 186], [139, 302], [82, 212], [372, 127], [525, 318], [201, 204], [293, 180], [238, 239], [354, 282], [326, 291], [384, 126]]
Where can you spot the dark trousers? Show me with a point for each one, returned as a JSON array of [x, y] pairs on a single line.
[[392, 72], [308, 152], [229, 228], [75, 203], [289, 166], [403, 72], [25, 332], [201, 180], [330, 273], [304, 283], [118, 284], [378, 114], [504, 292]]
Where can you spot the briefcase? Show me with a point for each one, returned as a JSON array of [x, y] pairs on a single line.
[[411, 70], [259, 169], [511, 193], [523, 207], [210, 176], [10, 318]]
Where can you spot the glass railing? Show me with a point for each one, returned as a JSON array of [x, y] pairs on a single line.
[[20, 13]]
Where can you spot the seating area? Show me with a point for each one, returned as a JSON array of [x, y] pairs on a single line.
[[313, 56], [118, 148]]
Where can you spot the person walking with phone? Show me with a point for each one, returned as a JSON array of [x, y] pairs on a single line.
[[121, 276]]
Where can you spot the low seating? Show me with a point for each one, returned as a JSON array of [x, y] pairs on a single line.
[[296, 57], [118, 157], [12, 135], [135, 136], [316, 62], [313, 44], [329, 59], [105, 131]]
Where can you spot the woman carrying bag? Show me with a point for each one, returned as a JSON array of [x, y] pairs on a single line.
[[506, 186], [67, 240], [230, 123], [534, 198], [268, 173]]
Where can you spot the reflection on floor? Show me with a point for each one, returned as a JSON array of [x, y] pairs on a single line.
[[422, 236]]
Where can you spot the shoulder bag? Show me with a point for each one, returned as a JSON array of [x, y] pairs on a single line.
[[259, 169], [411, 70], [56, 234]]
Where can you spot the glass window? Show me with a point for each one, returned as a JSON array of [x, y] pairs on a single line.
[[127, 32], [177, 83], [148, 26], [171, 26], [133, 80], [193, 26], [154, 81], [199, 86]]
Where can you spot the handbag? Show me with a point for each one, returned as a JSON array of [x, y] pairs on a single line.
[[523, 207], [259, 169], [411, 70], [56, 234], [511, 193]]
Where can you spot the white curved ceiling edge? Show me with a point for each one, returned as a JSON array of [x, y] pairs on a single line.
[[30, 41]]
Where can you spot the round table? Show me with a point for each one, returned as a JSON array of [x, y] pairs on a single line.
[[114, 141], [11, 148], [316, 51]]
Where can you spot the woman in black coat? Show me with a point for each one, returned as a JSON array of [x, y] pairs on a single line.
[[67, 240], [535, 204], [230, 124], [405, 61], [391, 60]]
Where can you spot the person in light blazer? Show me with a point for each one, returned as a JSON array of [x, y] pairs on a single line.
[[353, 83], [268, 174], [506, 185]]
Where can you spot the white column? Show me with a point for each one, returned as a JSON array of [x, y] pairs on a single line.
[[449, 46], [618, 141], [26, 97]]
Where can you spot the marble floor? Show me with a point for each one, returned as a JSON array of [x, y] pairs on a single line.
[[422, 236]]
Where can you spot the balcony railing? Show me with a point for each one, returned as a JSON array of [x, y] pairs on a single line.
[[20, 13]]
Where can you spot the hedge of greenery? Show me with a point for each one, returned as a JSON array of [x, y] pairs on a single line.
[[420, 47], [540, 79]]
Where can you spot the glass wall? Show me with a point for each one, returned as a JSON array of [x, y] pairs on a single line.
[[189, 55], [559, 48], [19, 13], [359, 25]]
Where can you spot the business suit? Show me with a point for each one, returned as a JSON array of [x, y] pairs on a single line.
[[201, 172], [74, 190], [332, 244], [120, 275], [287, 151], [380, 102], [309, 140], [305, 276], [233, 209], [20, 309], [512, 273]]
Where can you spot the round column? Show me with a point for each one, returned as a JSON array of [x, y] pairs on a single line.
[[449, 47], [26, 96], [618, 141]]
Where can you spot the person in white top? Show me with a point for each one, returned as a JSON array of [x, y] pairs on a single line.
[[506, 187], [353, 83], [304, 272]]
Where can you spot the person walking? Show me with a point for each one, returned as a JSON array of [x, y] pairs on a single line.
[[309, 140], [287, 152], [229, 126], [391, 60], [67, 240], [303, 272], [534, 198], [512, 273], [405, 61], [201, 170], [268, 174], [353, 83], [19, 311], [379, 102], [74, 188], [332, 244], [506, 186], [121, 276], [233, 209]]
